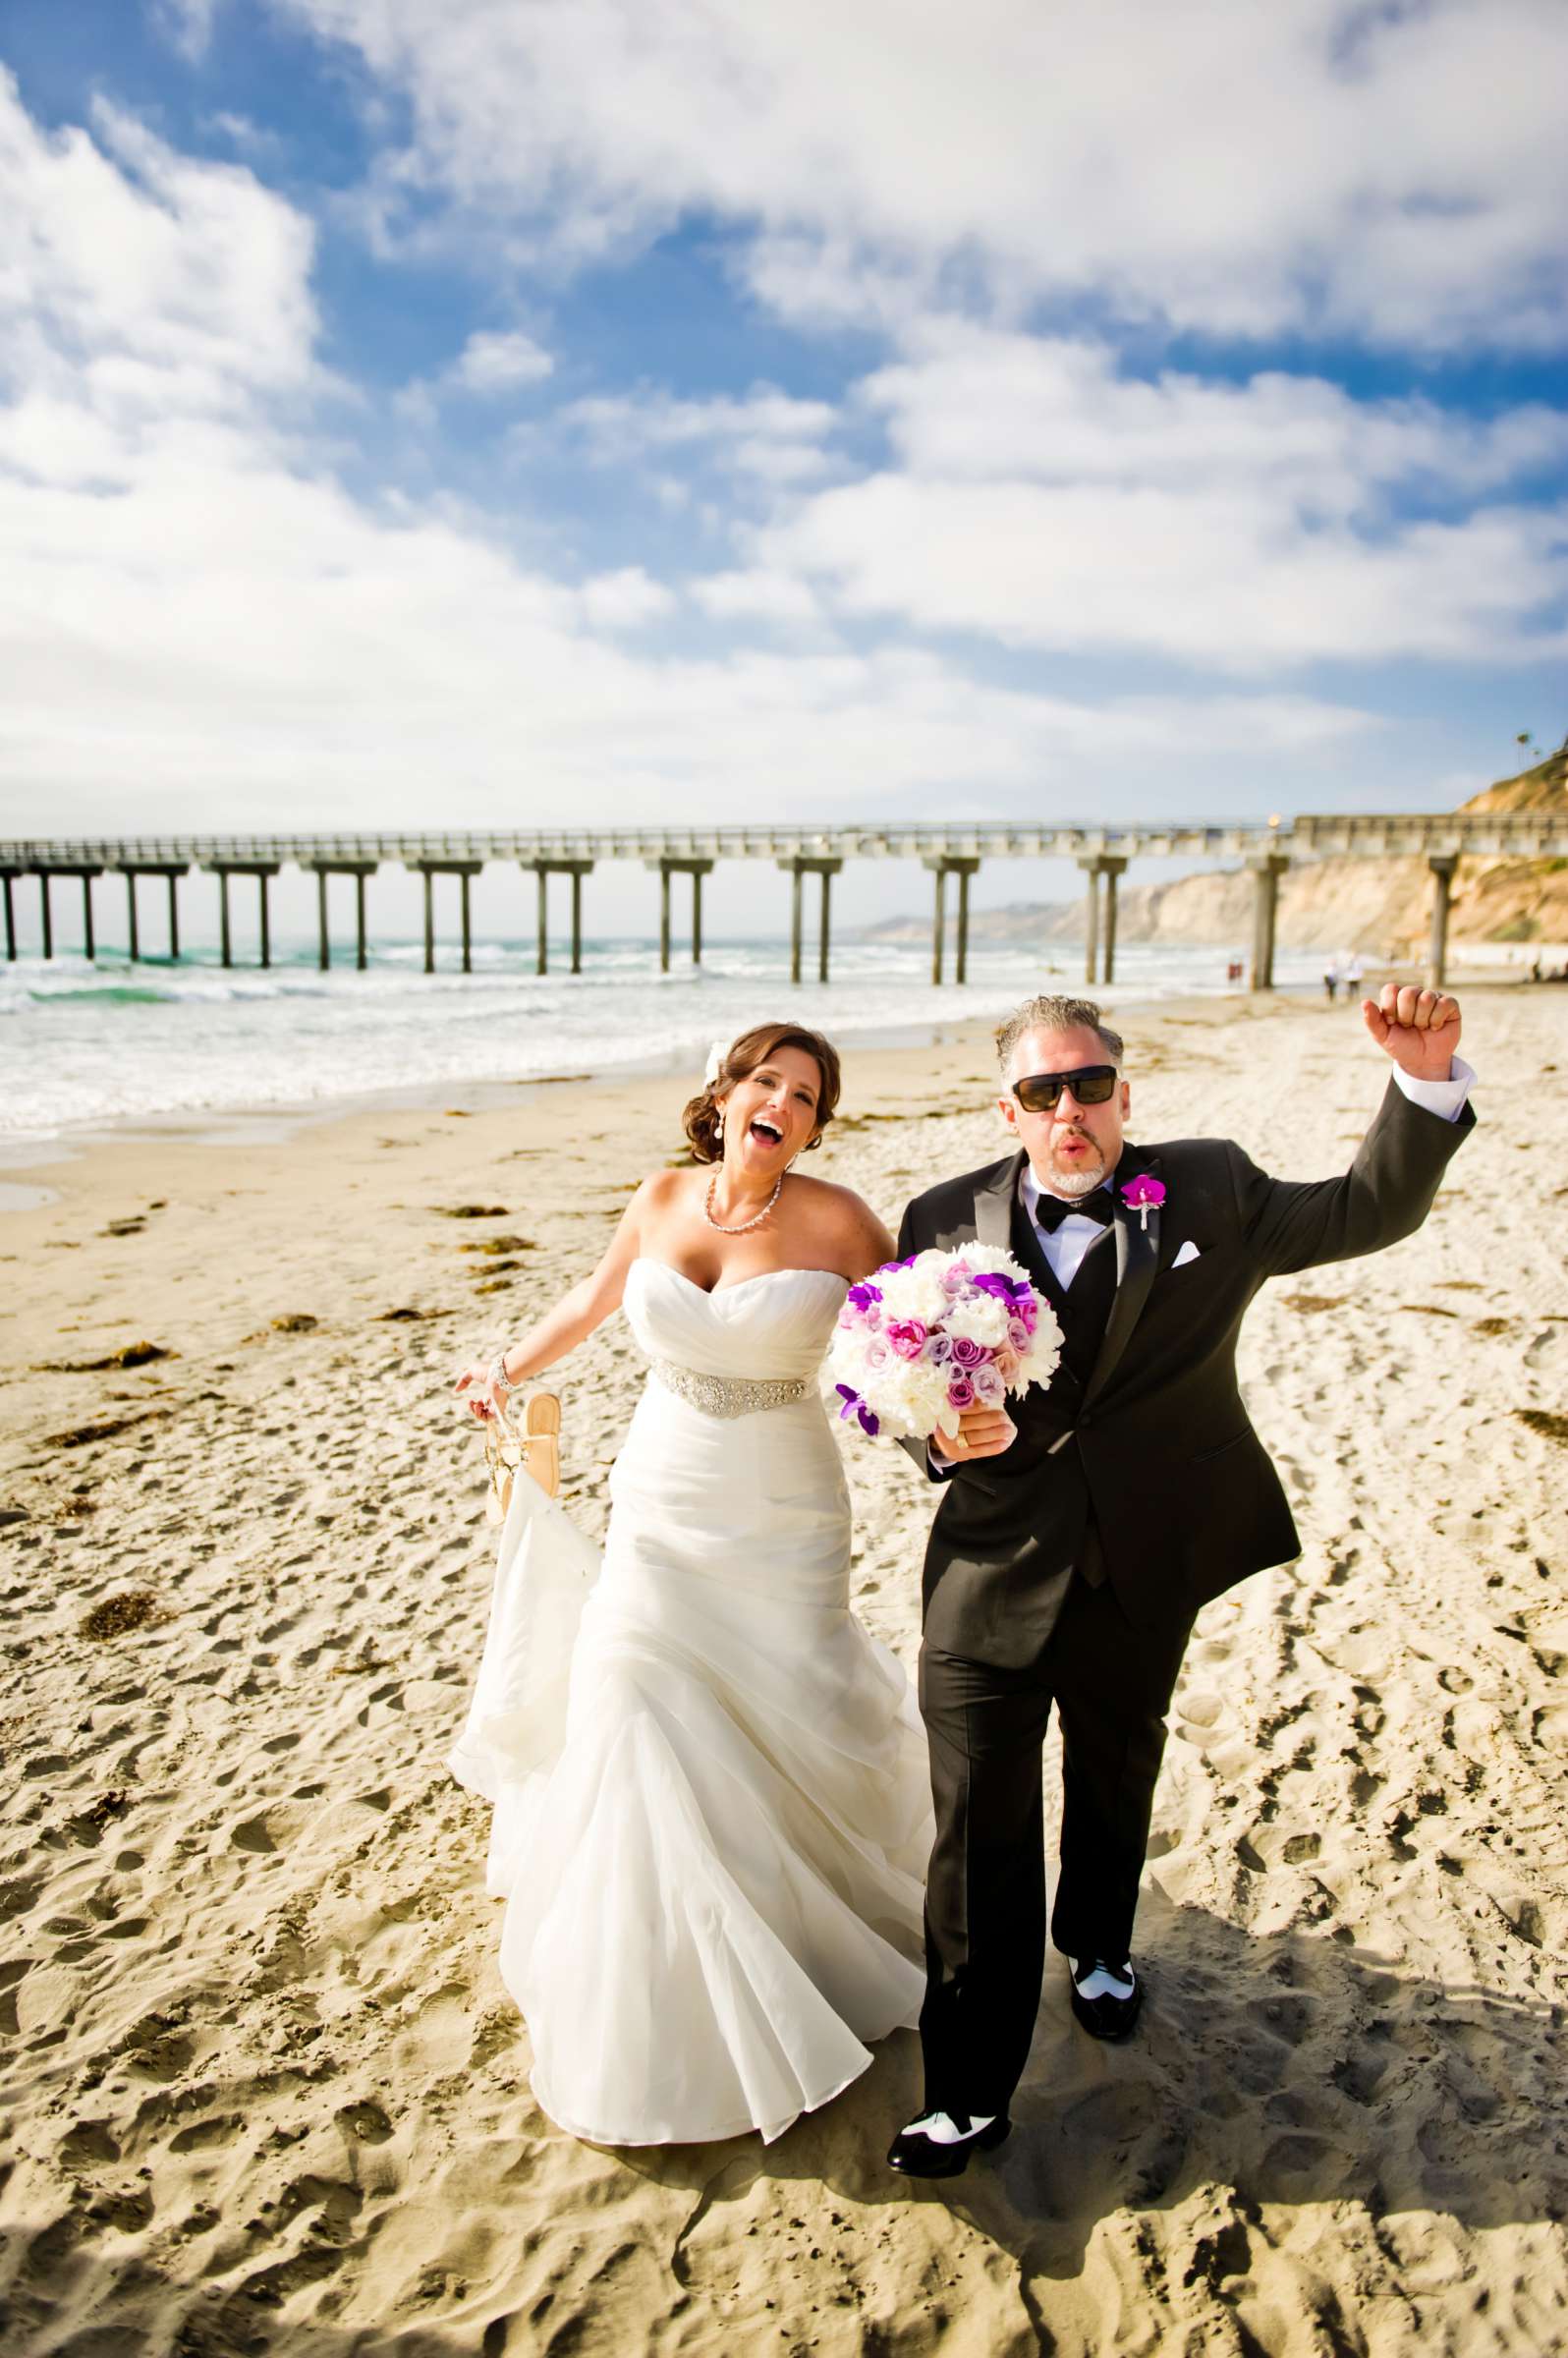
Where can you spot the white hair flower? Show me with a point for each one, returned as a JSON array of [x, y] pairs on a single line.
[[715, 1063]]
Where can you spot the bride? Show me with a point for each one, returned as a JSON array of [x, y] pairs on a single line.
[[711, 1813]]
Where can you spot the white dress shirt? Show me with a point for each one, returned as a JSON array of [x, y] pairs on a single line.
[[1065, 1244]]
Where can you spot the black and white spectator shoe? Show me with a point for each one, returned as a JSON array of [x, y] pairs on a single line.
[[1107, 1997], [939, 2145]]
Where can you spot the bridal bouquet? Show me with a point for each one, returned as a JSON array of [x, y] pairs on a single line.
[[920, 1340]]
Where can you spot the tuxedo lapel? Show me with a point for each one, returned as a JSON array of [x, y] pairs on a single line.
[[993, 1206], [1137, 1256]]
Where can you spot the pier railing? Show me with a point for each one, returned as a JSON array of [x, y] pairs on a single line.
[[1102, 847]]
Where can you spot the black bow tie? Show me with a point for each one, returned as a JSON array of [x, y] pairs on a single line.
[[1051, 1210]]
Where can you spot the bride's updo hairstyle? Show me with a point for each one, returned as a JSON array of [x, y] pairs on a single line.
[[760, 1046]]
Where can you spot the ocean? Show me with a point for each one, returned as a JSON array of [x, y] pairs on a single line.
[[85, 1049]]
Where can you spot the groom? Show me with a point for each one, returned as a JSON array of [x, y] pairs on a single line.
[[1073, 1548]]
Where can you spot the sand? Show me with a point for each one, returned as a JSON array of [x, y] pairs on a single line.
[[262, 2088]]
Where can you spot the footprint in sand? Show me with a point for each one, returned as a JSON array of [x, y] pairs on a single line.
[[365, 2120], [269, 1831], [204, 2133]]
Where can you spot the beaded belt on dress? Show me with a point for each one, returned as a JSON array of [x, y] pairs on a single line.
[[730, 1395]]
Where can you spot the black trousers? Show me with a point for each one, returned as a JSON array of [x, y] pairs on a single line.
[[1111, 1684]]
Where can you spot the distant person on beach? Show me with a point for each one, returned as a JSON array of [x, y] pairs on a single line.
[[711, 1810], [1330, 980], [1352, 977], [1078, 1538]]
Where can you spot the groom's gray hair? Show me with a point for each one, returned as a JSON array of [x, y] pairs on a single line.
[[1051, 1014]]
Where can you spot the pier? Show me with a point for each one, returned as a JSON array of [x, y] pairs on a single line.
[[1101, 850]]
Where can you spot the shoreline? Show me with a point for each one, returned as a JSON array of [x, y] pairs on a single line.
[[266, 1123]]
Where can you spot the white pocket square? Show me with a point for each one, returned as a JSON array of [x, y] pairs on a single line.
[[1189, 1252]]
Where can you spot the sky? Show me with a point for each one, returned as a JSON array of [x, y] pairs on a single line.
[[423, 413]]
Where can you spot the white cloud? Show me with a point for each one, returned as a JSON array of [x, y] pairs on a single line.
[[763, 434], [491, 364], [757, 597], [1040, 496], [141, 280], [1208, 577], [1391, 173], [971, 404], [624, 600], [188, 24], [200, 625], [499, 363]]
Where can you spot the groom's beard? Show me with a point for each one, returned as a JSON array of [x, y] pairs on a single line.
[[1076, 1178]]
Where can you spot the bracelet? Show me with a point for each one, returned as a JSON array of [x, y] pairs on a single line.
[[499, 1381]]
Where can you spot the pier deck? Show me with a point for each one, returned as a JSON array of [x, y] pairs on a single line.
[[1101, 849]]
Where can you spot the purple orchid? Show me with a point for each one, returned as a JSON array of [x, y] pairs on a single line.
[[1143, 1195], [855, 1406], [860, 1297], [1013, 1291]]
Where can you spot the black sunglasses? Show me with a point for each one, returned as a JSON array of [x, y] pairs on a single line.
[[1090, 1085]]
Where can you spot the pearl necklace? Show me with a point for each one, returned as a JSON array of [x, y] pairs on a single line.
[[714, 1222]]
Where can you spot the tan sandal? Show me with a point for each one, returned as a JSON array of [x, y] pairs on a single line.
[[542, 1441]]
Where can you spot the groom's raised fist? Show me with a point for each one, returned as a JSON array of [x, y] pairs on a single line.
[[1420, 1028]]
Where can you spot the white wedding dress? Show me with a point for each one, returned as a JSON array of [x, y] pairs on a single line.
[[712, 1804]]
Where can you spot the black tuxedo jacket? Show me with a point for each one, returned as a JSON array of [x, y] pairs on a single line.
[[1149, 1468]]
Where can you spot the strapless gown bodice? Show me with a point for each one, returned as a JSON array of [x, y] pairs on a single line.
[[776, 1324], [711, 1810]]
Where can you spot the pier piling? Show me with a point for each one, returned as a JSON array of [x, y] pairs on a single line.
[[1112, 871], [1266, 873], [696, 870], [8, 877], [1091, 868], [464, 871], [1103, 870], [543, 870], [1442, 866], [262, 871], [85, 872], [359, 870], [946, 864], [798, 870]]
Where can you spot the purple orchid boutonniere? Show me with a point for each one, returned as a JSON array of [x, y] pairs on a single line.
[[1143, 1195]]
